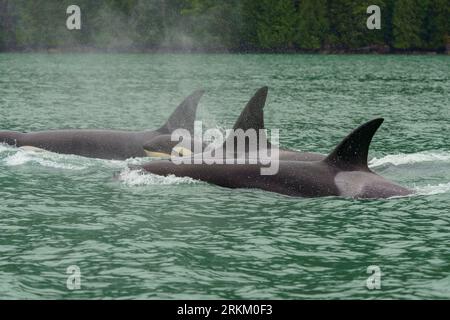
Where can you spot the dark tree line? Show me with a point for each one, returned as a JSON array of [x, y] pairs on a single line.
[[235, 25]]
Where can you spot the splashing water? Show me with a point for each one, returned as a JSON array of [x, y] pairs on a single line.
[[402, 159], [139, 178], [22, 157], [429, 190]]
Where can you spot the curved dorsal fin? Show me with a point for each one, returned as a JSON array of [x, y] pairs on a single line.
[[184, 115], [252, 117], [352, 152]]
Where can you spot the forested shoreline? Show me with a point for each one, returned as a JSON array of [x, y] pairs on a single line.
[[326, 26]]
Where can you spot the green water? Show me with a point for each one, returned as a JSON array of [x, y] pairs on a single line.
[[139, 236]]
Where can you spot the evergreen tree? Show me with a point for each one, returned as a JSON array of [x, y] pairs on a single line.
[[249, 35], [214, 24], [312, 24], [148, 20], [345, 25], [275, 24], [436, 24], [224, 24], [407, 24]]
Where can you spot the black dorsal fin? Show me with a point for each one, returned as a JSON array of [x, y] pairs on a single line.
[[184, 115], [252, 117], [352, 152]]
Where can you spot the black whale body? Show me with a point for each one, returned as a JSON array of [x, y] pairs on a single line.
[[344, 172], [105, 144]]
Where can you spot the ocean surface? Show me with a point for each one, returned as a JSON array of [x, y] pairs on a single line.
[[134, 236]]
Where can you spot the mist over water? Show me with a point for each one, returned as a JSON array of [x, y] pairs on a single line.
[[143, 236], [120, 26]]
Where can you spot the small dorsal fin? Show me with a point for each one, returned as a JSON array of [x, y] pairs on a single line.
[[184, 115], [352, 152], [252, 117]]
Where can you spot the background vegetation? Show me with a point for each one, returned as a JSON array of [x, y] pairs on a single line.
[[226, 25]]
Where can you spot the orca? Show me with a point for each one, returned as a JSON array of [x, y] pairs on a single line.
[[106, 144], [344, 172], [251, 117], [162, 146]]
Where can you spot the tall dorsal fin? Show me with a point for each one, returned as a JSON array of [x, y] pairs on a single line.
[[352, 152], [184, 115], [252, 117]]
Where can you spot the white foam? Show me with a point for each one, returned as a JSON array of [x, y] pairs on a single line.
[[44, 159], [140, 178], [433, 189], [138, 161], [13, 156], [402, 159], [5, 147]]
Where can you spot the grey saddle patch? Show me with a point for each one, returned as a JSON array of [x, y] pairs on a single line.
[[350, 183]]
